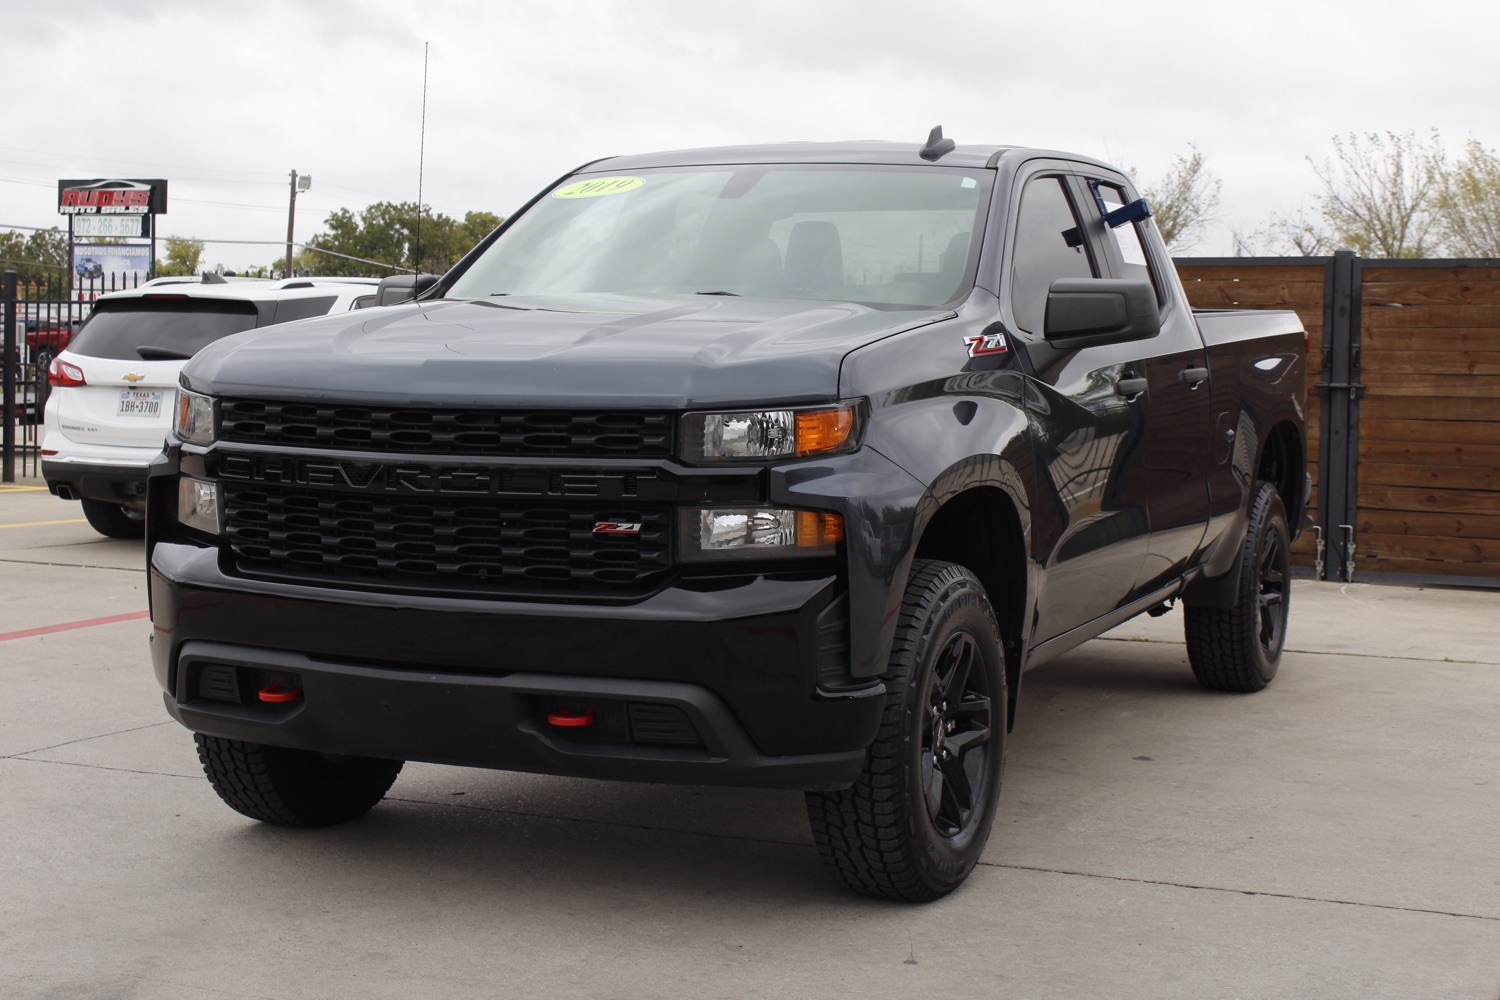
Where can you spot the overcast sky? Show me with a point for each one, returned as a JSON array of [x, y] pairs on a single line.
[[224, 99]]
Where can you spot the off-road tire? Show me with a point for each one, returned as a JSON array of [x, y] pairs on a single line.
[[1238, 648], [113, 521], [294, 787], [884, 837]]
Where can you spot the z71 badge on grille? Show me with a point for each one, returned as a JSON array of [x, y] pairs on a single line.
[[617, 528]]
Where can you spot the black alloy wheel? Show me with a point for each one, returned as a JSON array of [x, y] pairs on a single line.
[[1275, 567], [954, 762]]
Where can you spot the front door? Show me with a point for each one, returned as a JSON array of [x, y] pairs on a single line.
[[1090, 521]]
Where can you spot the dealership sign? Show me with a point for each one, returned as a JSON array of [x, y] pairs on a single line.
[[112, 197], [112, 226], [108, 267]]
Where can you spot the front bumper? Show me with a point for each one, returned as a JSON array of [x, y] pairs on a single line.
[[708, 684]]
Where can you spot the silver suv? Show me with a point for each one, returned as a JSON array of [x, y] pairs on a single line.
[[114, 387]]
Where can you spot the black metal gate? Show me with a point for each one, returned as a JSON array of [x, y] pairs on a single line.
[[34, 332]]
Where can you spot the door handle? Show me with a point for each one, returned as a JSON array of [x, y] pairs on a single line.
[[1130, 387], [1194, 377]]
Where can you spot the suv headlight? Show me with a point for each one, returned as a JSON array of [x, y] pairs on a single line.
[[195, 417], [749, 435]]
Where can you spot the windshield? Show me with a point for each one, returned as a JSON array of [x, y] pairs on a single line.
[[881, 235]]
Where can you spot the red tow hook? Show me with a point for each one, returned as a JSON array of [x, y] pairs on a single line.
[[277, 695], [571, 718]]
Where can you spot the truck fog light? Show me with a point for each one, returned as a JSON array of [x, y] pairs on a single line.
[[731, 533], [198, 504]]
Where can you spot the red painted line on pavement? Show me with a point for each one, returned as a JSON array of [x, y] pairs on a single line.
[[66, 626]]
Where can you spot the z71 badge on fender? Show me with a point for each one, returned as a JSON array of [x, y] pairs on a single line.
[[988, 343]]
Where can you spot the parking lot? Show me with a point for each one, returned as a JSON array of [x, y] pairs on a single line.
[[1337, 835]]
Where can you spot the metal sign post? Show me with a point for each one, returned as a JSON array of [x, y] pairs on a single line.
[[10, 348]]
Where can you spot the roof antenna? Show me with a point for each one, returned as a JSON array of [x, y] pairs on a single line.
[[937, 147], [416, 252]]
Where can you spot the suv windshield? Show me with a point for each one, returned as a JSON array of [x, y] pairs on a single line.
[[184, 326], [881, 235]]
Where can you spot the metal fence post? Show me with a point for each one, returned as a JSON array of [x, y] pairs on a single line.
[[11, 375], [1338, 388]]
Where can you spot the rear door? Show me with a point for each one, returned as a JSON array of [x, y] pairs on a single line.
[[1175, 366]]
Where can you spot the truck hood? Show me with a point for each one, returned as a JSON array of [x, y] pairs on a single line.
[[671, 352]]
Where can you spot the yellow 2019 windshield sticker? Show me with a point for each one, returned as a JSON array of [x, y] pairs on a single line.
[[598, 187]]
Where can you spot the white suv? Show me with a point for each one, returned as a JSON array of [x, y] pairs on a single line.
[[114, 388]]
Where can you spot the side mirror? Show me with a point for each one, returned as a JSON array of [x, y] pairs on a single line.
[[1087, 312], [402, 288]]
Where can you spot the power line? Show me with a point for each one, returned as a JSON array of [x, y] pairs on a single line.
[[56, 154], [267, 243], [299, 246], [33, 263]]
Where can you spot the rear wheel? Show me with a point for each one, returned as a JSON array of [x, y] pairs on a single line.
[[1239, 648], [112, 520], [915, 822], [294, 787]]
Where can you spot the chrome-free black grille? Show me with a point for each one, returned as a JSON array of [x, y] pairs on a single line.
[[483, 545], [624, 433]]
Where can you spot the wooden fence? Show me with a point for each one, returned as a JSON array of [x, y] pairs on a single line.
[[1408, 398]]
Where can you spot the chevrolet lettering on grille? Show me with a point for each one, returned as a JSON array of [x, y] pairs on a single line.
[[428, 479]]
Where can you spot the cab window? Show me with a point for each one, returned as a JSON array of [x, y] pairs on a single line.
[[1129, 240], [1049, 245]]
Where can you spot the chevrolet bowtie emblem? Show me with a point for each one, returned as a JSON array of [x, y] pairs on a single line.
[[132, 377]]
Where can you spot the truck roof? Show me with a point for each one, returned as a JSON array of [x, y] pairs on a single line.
[[970, 155]]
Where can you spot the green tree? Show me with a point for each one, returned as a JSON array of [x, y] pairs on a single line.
[[1183, 201], [40, 261], [388, 237], [1378, 197], [183, 257], [475, 227], [1467, 204]]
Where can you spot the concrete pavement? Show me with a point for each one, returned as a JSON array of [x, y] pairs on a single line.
[[1334, 836]]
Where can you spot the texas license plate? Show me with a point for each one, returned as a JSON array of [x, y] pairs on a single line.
[[140, 403]]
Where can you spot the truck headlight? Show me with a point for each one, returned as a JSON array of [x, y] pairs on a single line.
[[756, 434], [730, 533], [198, 504], [195, 417]]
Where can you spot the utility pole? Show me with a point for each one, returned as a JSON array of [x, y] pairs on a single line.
[[299, 184]]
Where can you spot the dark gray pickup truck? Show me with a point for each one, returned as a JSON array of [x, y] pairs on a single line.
[[766, 466]]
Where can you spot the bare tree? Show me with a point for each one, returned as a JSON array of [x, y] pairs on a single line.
[[1183, 201], [1378, 198], [1467, 203], [1296, 236]]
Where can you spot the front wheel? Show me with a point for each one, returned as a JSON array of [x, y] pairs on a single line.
[[293, 787], [1238, 648], [112, 520], [913, 825]]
